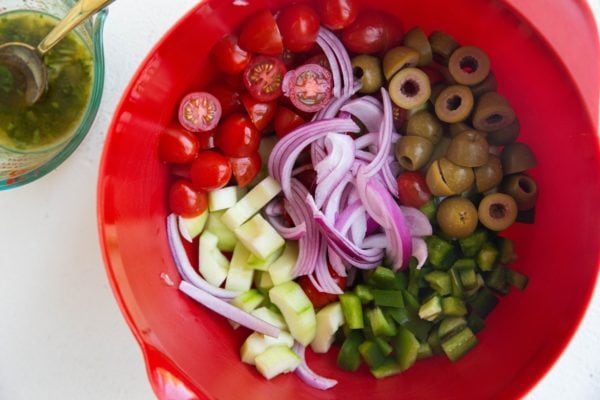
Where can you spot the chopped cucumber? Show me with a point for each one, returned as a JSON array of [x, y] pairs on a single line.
[[251, 203], [281, 269], [257, 343], [260, 264], [227, 239], [298, 312], [189, 228], [277, 360], [329, 320], [222, 199], [213, 265], [259, 237], [263, 281], [239, 277], [248, 300], [270, 316]]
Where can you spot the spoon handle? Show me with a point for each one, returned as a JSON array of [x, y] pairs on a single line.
[[80, 11]]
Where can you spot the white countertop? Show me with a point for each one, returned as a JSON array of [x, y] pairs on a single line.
[[62, 335]]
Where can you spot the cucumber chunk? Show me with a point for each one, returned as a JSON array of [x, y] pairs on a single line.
[[222, 199], [259, 237], [190, 228], [227, 239], [239, 277], [213, 265], [281, 269], [329, 319], [251, 203], [277, 360], [257, 343], [298, 312], [270, 316]]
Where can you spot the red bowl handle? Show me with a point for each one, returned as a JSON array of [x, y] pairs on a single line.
[[576, 43]]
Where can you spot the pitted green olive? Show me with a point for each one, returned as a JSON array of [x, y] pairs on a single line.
[[413, 152], [523, 189], [492, 112], [417, 40], [426, 125], [398, 58], [367, 69], [490, 175], [410, 88], [489, 84], [458, 127], [497, 211], [517, 157], [457, 217], [454, 103], [506, 135], [444, 178], [469, 65], [468, 149], [442, 46]]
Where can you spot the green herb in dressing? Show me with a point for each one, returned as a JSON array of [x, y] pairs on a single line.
[[58, 113]]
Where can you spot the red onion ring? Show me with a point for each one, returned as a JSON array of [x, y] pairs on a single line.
[[307, 375]]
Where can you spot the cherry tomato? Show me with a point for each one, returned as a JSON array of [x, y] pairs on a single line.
[[178, 146], [260, 34], [286, 121], [372, 32], [299, 26], [310, 87], [399, 115], [412, 189], [320, 299], [185, 201], [199, 111], [263, 77], [319, 59], [206, 140], [337, 14], [261, 113], [182, 170], [228, 97], [228, 56], [245, 169], [237, 137], [210, 171]]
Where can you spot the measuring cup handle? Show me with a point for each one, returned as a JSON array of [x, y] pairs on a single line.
[[81, 11]]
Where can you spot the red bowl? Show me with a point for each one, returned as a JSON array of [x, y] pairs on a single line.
[[546, 59]]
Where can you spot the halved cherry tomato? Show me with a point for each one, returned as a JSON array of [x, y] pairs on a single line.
[[310, 87], [412, 189], [176, 145], [337, 14], [228, 56], [186, 201], [245, 169], [320, 299], [263, 77], [210, 171], [199, 111], [286, 121], [237, 137], [260, 34], [299, 26], [372, 32], [228, 97], [261, 113]]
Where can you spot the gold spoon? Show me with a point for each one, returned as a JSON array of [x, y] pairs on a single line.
[[27, 60]]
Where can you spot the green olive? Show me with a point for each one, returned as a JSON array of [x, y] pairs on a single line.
[[413, 152], [492, 112], [367, 69], [506, 135], [436, 90], [497, 211], [410, 88], [398, 58], [489, 175], [417, 40], [426, 125], [439, 151], [469, 65], [489, 84], [468, 149], [523, 189], [517, 157], [442, 46], [457, 217], [458, 127], [454, 103], [444, 178]]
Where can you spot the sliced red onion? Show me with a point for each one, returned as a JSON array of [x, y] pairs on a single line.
[[417, 222], [382, 207], [346, 218], [307, 375], [378, 240], [344, 62], [333, 64], [228, 311], [419, 251], [186, 270], [287, 232], [334, 202], [322, 274], [334, 166], [368, 112], [366, 140], [274, 208], [287, 150], [336, 262], [384, 141]]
